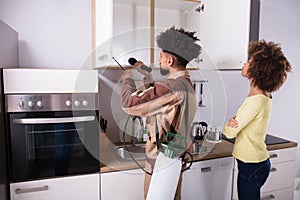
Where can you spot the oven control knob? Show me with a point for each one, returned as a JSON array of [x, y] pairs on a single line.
[[85, 102], [68, 103], [30, 104], [76, 103], [21, 104], [39, 104]]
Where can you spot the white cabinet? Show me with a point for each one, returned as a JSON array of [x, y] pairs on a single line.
[[280, 182], [125, 185], [210, 179], [224, 32], [122, 28], [224, 29], [74, 187]]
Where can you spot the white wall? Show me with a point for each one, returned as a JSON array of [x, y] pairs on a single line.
[[280, 22], [52, 33], [223, 93], [9, 46]]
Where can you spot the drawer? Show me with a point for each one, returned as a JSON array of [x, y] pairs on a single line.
[[282, 176], [284, 194], [280, 155], [283, 155], [73, 187]]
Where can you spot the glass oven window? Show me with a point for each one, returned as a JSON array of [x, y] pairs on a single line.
[[53, 149], [61, 140]]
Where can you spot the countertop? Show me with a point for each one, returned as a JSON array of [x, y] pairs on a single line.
[[110, 160]]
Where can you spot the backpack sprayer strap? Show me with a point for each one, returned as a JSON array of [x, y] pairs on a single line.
[[173, 148]]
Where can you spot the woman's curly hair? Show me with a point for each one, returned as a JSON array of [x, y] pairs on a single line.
[[268, 65], [179, 43]]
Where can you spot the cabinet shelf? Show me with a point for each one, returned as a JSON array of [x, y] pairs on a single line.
[[165, 4]]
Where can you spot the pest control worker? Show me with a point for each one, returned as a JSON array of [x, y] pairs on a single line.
[[169, 105]]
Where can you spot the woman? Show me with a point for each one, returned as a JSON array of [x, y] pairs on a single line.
[[266, 71]]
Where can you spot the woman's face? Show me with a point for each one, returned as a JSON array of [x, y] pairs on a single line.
[[245, 69]]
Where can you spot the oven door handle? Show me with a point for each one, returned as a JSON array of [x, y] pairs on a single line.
[[53, 120]]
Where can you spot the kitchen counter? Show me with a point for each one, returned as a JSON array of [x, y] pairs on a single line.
[[110, 161]]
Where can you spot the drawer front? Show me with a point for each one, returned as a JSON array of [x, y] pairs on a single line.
[[75, 188], [284, 194], [280, 155], [282, 176], [283, 155]]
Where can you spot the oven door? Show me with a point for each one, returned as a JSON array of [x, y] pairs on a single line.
[[50, 144]]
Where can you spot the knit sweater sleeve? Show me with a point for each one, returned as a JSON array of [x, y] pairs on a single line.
[[246, 113]]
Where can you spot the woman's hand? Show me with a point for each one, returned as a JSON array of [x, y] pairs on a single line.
[[233, 123]]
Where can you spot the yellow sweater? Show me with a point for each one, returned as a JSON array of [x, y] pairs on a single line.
[[253, 118]]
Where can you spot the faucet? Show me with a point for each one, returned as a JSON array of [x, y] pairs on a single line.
[[136, 134]]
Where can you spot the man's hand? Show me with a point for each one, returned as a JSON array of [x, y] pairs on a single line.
[[138, 65]]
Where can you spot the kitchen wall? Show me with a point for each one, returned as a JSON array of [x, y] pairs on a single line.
[[280, 22], [9, 43], [52, 34], [224, 92]]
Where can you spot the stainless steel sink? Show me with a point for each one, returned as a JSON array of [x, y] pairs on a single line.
[[136, 152]]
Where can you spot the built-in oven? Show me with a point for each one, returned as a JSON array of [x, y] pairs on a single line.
[[52, 135]]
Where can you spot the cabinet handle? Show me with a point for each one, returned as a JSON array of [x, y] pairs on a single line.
[[273, 155], [206, 169], [268, 197], [273, 169], [29, 190]]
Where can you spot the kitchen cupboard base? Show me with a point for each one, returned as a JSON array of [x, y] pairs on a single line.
[[73, 187]]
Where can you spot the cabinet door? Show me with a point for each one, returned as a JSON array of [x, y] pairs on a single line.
[[224, 32], [75, 188], [126, 185], [211, 179]]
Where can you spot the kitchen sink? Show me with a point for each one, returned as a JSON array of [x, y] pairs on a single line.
[[131, 152]]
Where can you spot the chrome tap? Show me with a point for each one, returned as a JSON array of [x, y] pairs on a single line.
[[137, 133]]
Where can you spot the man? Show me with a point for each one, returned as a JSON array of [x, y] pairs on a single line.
[[169, 105]]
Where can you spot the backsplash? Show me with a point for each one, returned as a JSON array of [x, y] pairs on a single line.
[[223, 93]]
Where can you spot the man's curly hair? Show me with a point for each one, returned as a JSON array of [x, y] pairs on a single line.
[[180, 43], [268, 65]]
